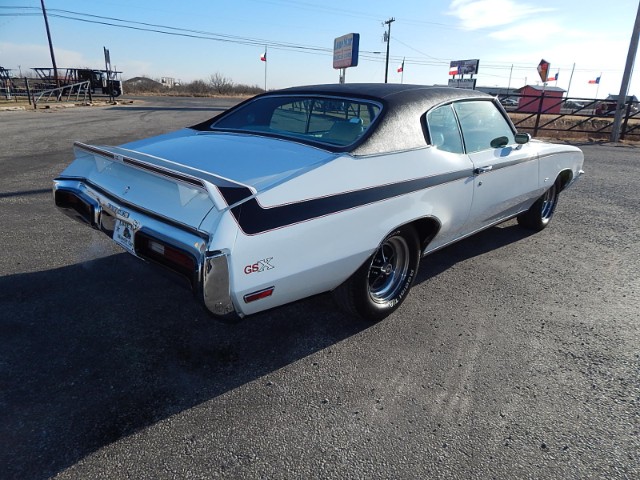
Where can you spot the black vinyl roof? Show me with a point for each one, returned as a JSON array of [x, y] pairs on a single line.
[[399, 125], [378, 90]]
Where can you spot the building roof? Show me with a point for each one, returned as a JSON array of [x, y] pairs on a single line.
[[495, 91], [628, 98], [543, 88]]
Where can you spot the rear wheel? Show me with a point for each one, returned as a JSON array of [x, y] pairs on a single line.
[[541, 212], [382, 283]]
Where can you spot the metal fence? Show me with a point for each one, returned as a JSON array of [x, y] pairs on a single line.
[[546, 115], [68, 93], [36, 91], [540, 115]]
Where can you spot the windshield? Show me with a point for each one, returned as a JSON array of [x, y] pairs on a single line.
[[332, 121]]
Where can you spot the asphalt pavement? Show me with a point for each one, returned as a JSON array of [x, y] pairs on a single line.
[[515, 355]]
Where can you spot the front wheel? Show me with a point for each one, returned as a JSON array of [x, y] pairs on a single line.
[[541, 212], [382, 283]]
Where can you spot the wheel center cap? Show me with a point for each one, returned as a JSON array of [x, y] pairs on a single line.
[[387, 269]]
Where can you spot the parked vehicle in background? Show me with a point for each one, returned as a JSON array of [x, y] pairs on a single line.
[[321, 188], [574, 105], [509, 102], [609, 104], [107, 82]]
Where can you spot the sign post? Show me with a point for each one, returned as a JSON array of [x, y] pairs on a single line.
[[107, 66]]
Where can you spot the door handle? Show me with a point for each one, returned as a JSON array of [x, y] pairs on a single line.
[[480, 170]]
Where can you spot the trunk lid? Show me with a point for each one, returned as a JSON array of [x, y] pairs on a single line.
[[184, 174]]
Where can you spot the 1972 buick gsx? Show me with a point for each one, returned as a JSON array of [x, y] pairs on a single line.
[[305, 190]]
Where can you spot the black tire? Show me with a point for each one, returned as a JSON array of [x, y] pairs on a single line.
[[383, 282], [541, 212]]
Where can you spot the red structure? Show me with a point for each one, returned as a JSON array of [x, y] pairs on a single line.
[[532, 95]]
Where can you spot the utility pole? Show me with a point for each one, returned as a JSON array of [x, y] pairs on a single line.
[[53, 57], [386, 66], [626, 79]]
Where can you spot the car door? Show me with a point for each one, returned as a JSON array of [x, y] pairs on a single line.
[[451, 201], [505, 177]]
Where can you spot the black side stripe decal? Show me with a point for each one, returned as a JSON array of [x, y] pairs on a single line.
[[254, 219], [233, 195]]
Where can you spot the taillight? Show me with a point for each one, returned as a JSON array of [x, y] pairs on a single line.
[[168, 255], [74, 206]]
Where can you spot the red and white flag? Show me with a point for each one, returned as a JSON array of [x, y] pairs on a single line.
[[401, 67], [263, 57]]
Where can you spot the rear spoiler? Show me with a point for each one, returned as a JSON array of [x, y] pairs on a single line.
[[223, 192]]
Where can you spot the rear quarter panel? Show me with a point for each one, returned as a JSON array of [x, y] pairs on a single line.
[[319, 249], [556, 158]]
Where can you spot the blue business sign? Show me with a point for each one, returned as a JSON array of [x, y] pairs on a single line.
[[345, 50]]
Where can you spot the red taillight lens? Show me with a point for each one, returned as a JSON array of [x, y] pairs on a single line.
[[165, 254]]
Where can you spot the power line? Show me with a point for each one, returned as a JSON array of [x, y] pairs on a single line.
[[169, 30], [276, 45]]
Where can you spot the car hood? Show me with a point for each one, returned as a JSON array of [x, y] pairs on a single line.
[[255, 161]]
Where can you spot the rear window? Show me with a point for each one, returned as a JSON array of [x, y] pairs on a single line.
[[332, 121]]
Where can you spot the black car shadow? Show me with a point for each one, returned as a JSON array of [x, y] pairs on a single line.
[[493, 238], [93, 352]]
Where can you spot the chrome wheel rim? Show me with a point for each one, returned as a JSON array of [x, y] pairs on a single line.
[[548, 203], [388, 270]]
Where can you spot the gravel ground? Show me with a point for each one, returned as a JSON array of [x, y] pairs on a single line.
[[515, 356]]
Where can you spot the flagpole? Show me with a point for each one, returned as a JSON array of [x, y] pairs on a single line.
[[402, 73], [598, 87], [266, 59], [570, 79]]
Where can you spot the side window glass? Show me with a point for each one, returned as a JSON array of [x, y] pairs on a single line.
[[443, 129], [481, 122]]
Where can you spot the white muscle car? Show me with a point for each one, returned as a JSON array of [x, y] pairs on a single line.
[[305, 190]]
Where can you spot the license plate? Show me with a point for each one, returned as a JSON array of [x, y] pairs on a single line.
[[123, 235]]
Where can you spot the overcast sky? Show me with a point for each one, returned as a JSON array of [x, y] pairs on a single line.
[[509, 37]]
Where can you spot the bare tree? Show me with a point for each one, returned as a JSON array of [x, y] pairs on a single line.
[[221, 84]]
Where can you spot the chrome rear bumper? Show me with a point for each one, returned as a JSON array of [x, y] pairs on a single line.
[[177, 247]]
